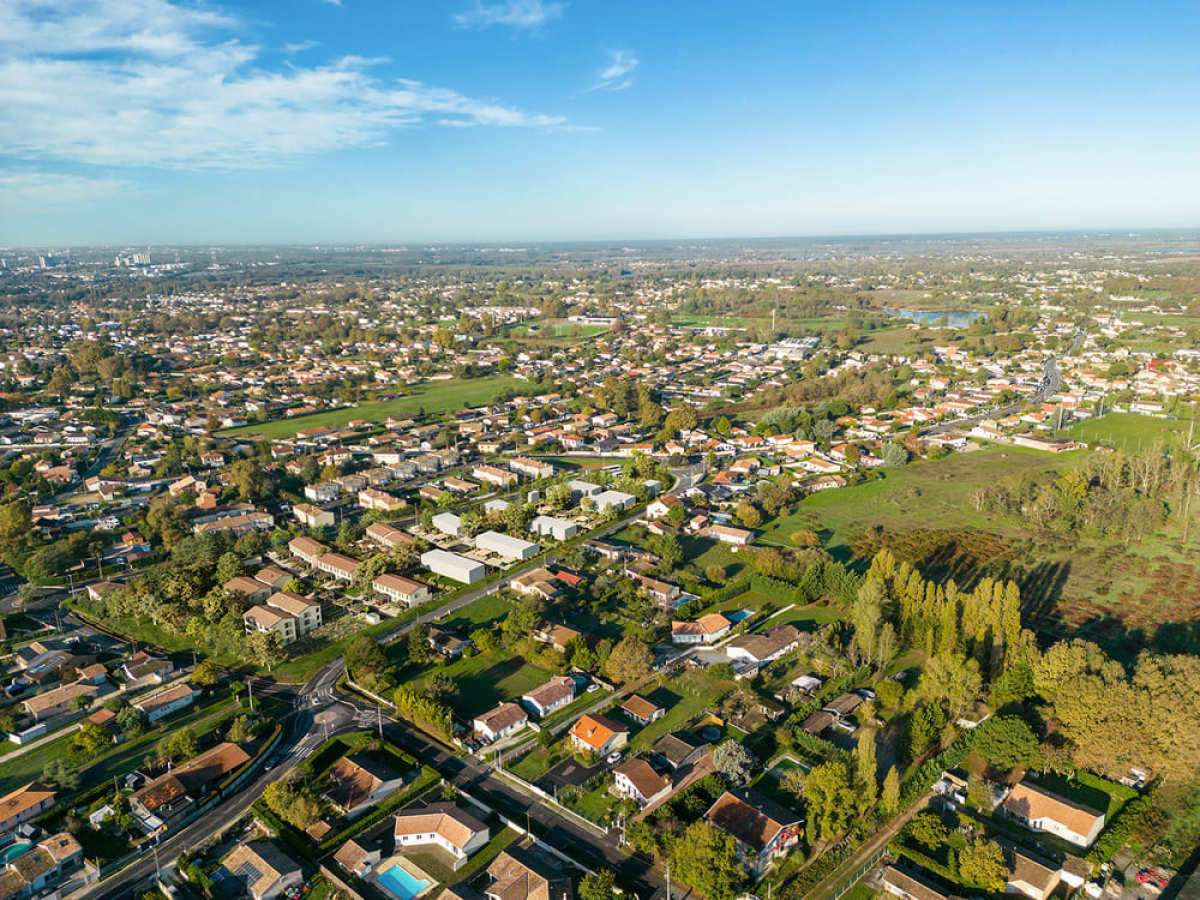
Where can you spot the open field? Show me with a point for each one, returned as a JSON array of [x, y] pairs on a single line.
[[486, 680], [925, 494], [546, 329], [1129, 431], [432, 397], [685, 697]]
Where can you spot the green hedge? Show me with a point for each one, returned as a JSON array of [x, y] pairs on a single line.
[[422, 783], [1123, 824]]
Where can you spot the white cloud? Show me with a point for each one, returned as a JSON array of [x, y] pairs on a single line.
[[617, 75], [154, 83], [521, 14], [30, 190]]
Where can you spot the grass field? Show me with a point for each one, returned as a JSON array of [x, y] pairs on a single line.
[[433, 397], [486, 680], [924, 494], [1129, 431], [684, 698], [543, 329]]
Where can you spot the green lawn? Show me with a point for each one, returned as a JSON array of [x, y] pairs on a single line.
[[924, 494], [593, 805], [684, 698], [483, 611], [434, 864], [486, 680], [1129, 431], [121, 758], [433, 397]]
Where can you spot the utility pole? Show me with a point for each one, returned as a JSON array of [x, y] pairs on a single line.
[[379, 719], [668, 881], [250, 689]]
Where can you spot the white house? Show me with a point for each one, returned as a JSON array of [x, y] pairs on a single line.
[[501, 721], [554, 694], [399, 589], [549, 526], [506, 546], [705, 630], [635, 779], [443, 825], [452, 566], [1040, 810], [617, 500], [448, 523]]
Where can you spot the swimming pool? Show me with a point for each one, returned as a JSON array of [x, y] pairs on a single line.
[[399, 881], [737, 615], [16, 851]]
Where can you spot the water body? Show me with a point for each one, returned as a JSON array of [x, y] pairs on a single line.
[[955, 318]]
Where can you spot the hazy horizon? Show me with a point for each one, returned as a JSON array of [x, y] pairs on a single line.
[[526, 121]]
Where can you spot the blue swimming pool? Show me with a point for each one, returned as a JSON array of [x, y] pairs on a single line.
[[737, 615], [16, 851], [401, 882]]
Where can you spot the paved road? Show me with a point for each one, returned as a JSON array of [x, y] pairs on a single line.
[[319, 711], [1050, 382], [303, 733]]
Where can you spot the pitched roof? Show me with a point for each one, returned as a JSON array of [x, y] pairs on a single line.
[[761, 646], [1032, 802], [596, 731], [642, 775], [518, 875], [502, 717], [749, 818], [260, 863], [639, 706], [24, 798], [355, 778], [444, 819]]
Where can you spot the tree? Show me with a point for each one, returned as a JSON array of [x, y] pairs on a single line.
[[597, 885], [715, 573], [14, 521], [295, 804], [894, 455], [889, 800], [981, 865], [864, 767], [179, 744], [734, 762], [91, 740], [793, 782], [206, 673], [1006, 742], [228, 566], [630, 660], [928, 830], [830, 797], [239, 730], [61, 774], [669, 550], [706, 859], [748, 514], [132, 722]]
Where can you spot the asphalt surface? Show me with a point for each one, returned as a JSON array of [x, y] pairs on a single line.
[[1050, 382], [321, 711]]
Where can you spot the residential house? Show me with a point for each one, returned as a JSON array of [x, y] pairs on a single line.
[[1041, 810], [637, 780], [641, 710], [360, 782], [553, 695], [259, 869], [251, 589], [765, 647], [442, 825], [506, 546], [908, 885], [60, 700], [761, 829], [311, 516], [705, 630], [162, 703], [25, 803], [517, 874], [171, 795], [500, 722], [1028, 875], [43, 869], [388, 537], [679, 749], [598, 735], [399, 589]]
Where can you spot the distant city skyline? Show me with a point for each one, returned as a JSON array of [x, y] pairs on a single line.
[[484, 121]]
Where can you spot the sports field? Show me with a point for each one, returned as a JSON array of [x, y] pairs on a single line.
[[433, 397]]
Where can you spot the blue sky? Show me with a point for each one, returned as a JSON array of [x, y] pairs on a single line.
[[156, 121]]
